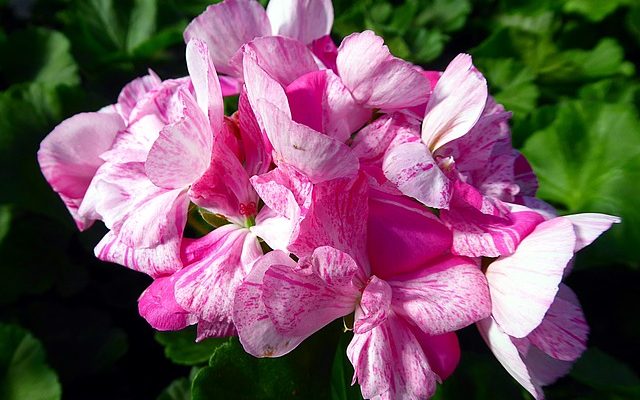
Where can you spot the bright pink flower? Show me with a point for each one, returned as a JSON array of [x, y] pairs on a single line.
[[537, 328]]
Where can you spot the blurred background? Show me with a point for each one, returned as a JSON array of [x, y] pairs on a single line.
[[69, 326]]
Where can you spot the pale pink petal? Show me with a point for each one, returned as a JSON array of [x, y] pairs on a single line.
[[158, 306], [318, 156], [205, 82], [69, 157], [445, 297], [215, 265], [336, 218], [284, 59], [456, 103], [588, 227], [260, 86], [507, 353], [524, 284], [442, 351], [390, 364], [305, 20], [225, 27], [374, 307], [302, 300], [383, 81], [413, 170], [182, 152], [274, 229], [563, 331], [372, 141], [257, 334], [402, 235], [545, 370], [135, 91], [375, 77], [157, 261]]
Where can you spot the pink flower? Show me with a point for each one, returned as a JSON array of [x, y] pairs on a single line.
[[227, 26], [398, 301], [537, 328]]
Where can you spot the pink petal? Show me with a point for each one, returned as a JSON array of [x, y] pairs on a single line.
[[256, 146], [302, 300], [524, 176], [135, 91], [320, 101], [205, 82], [229, 86], [261, 86], [372, 141], [326, 51], [284, 59], [456, 103], [318, 156], [402, 236], [218, 263], [225, 27], [545, 370], [375, 77], [158, 306], [374, 307], [256, 332], [448, 295], [563, 331], [508, 355], [216, 329], [589, 226], [442, 351], [524, 284], [413, 170], [69, 157], [390, 364], [225, 188], [305, 20]]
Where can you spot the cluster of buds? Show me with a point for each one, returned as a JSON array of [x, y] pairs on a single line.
[[348, 183]]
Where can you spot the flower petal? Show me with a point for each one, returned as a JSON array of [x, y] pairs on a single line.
[[589, 226], [225, 27], [69, 157], [446, 296], [374, 307], [205, 82], [158, 306], [305, 20], [375, 77], [524, 284], [456, 103], [413, 170], [284, 59]]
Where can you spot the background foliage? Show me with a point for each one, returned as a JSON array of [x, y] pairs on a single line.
[[69, 323]]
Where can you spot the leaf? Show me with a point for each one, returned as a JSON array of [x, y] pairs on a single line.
[[234, 374], [588, 160], [181, 347], [601, 371], [48, 60], [5, 221], [342, 373], [142, 23], [632, 22], [594, 10], [24, 373], [512, 84], [179, 389]]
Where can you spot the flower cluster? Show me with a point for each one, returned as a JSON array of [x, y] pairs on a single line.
[[348, 182]]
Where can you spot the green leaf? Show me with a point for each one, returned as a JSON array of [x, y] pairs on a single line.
[[142, 23], [601, 371], [24, 373], [181, 347], [446, 15], [342, 373], [511, 83], [5, 221], [48, 60], [234, 374], [632, 22], [180, 389], [594, 10], [588, 160]]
